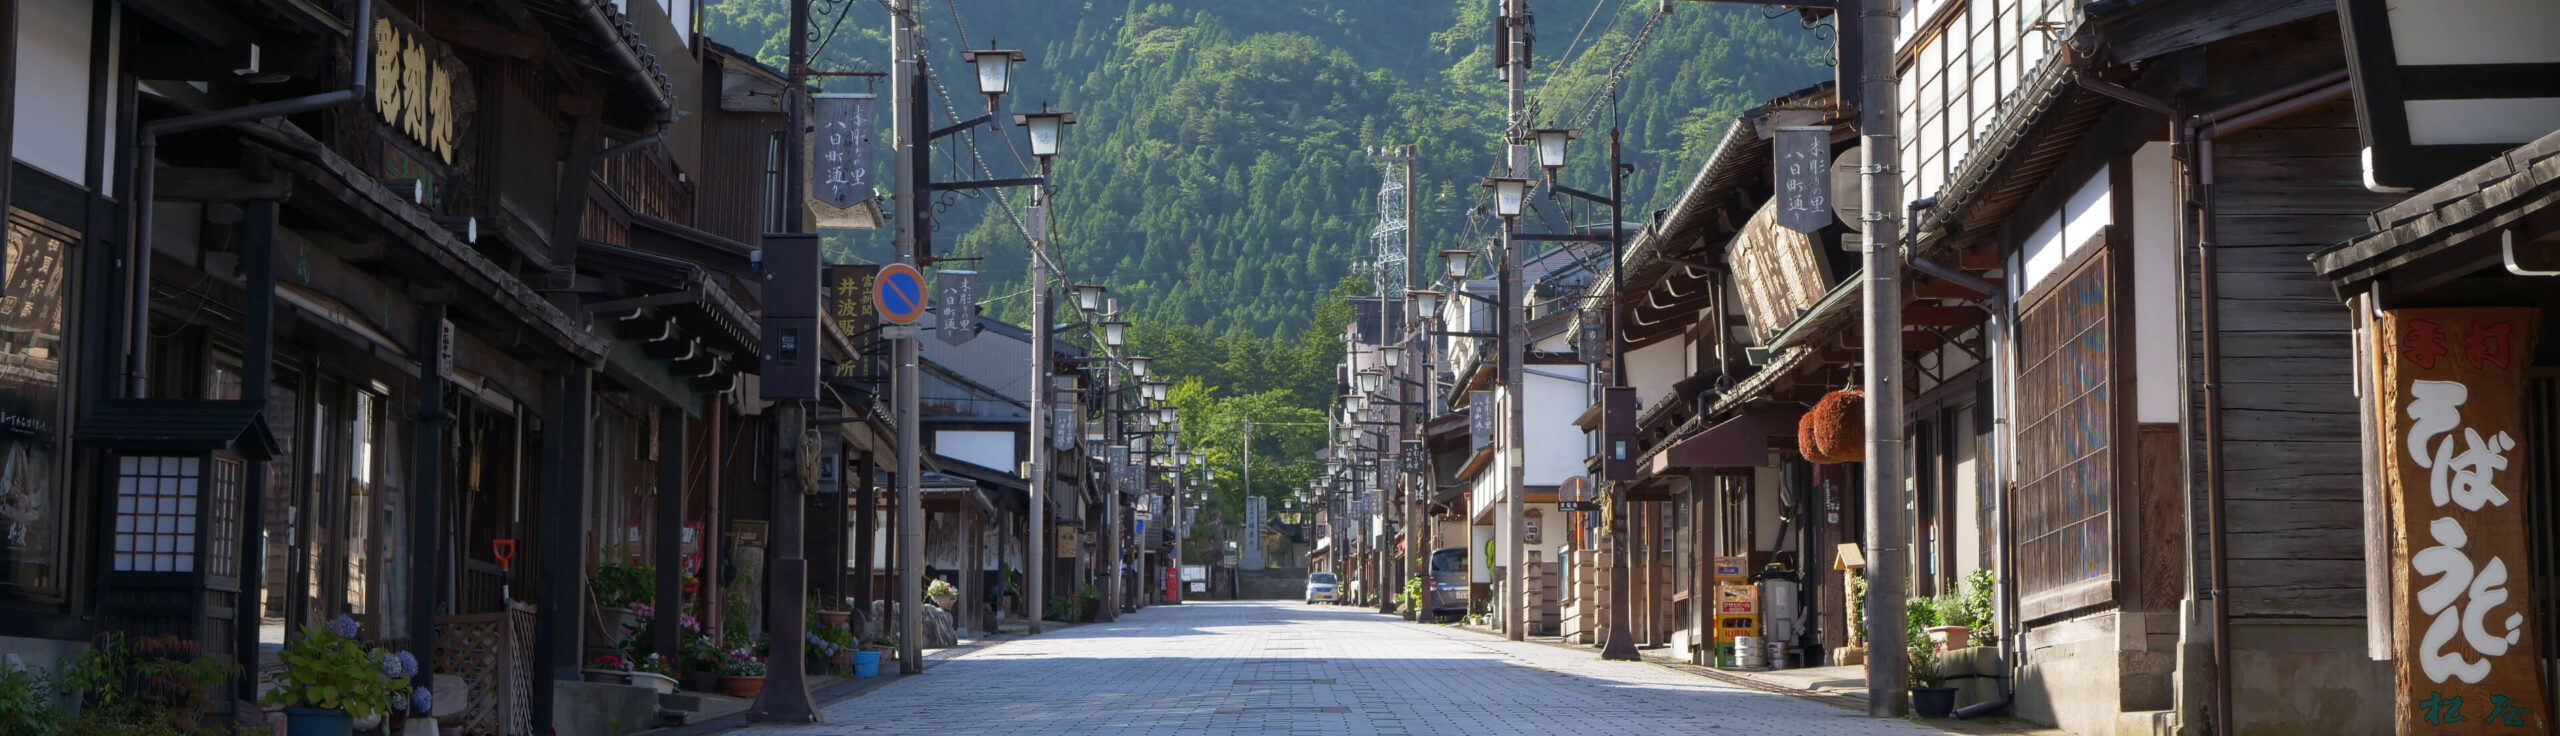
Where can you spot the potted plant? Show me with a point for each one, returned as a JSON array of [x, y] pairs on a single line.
[[835, 643], [656, 671], [610, 669], [941, 593], [702, 660], [619, 585], [1091, 597], [742, 674], [1928, 698], [330, 682]]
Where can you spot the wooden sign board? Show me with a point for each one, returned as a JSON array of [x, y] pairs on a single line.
[[1779, 271], [2453, 469]]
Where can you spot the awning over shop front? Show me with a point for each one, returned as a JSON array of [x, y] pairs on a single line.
[[1740, 442]]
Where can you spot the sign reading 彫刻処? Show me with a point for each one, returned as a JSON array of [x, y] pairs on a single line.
[[2453, 469]]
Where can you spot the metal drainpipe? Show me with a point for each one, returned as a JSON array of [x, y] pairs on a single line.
[[1998, 299], [2197, 135], [137, 343]]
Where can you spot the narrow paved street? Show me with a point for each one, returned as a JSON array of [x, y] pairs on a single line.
[[1283, 667]]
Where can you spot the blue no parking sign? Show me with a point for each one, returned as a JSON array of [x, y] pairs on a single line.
[[898, 294]]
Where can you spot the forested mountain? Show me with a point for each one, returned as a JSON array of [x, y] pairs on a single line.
[[1219, 176]]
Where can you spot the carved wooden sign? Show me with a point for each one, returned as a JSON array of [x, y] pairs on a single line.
[[1777, 271], [419, 87], [2453, 469]]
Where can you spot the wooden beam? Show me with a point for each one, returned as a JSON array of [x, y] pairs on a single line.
[[1934, 316], [470, 31], [185, 184]]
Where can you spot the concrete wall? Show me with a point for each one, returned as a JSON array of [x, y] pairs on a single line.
[[2307, 678]]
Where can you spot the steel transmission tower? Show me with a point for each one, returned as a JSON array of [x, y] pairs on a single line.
[[1389, 236]]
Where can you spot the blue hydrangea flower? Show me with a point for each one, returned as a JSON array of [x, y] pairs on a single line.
[[390, 665], [421, 702], [408, 663], [343, 626]]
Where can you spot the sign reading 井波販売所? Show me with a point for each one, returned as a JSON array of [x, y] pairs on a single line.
[[2452, 428]]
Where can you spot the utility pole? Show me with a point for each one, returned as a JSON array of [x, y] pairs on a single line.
[[1888, 688], [1622, 633], [788, 699], [906, 96], [1035, 565], [1515, 332], [1113, 414]]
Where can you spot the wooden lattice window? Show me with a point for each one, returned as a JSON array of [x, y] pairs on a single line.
[[156, 514], [222, 548], [2066, 449]]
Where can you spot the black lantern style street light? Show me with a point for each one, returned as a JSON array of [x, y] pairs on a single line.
[[1458, 260], [1046, 128], [995, 71], [1510, 194], [1426, 302], [1371, 380], [1551, 144]]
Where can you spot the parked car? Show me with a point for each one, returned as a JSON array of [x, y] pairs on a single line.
[[1449, 582], [1321, 586]]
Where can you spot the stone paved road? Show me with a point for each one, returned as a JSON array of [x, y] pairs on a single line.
[[1286, 668]]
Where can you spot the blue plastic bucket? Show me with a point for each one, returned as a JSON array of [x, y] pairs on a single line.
[[866, 664], [317, 722]]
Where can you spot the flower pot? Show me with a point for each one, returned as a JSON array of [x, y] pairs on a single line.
[[612, 622], [1951, 638], [608, 677], [843, 658], [661, 683], [742, 686], [702, 682], [371, 722], [318, 722], [866, 664], [1933, 702], [834, 619]]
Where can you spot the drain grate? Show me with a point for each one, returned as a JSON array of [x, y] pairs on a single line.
[[1234, 710], [1302, 681]]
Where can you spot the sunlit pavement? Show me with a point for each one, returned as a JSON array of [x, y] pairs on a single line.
[[1284, 667]]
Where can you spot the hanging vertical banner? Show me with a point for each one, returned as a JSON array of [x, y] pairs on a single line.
[[1804, 177], [2454, 468], [840, 166], [1116, 462], [955, 302], [1480, 416]]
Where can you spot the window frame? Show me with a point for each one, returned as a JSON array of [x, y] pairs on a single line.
[[2035, 600]]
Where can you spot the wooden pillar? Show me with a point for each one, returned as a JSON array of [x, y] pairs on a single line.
[[557, 632], [714, 526], [1708, 491], [866, 519], [972, 580], [1640, 551], [1702, 568], [667, 636], [256, 369]]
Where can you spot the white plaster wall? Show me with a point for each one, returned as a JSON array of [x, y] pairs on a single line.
[[1652, 369], [52, 120], [2158, 332], [1555, 447], [985, 449]]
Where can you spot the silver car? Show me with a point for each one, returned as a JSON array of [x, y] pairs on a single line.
[[1321, 587], [1449, 581]]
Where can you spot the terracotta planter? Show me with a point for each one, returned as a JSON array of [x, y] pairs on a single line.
[[843, 657], [742, 686], [1951, 638], [834, 619]]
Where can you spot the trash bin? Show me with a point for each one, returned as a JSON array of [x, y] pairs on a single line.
[[1724, 655]]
